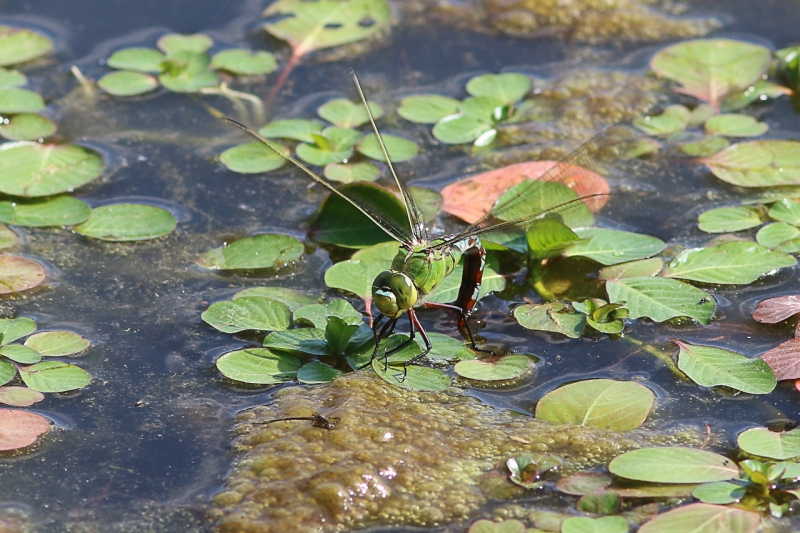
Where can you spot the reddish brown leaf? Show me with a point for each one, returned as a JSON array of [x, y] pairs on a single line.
[[19, 397], [472, 197], [784, 359], [774, 310], [19, 429], [19, 273]]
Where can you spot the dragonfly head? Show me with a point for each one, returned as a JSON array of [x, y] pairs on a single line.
[[394, 293]]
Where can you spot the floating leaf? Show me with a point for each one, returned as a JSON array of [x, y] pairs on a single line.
[[16, 328], [777, 234], [710, 69], [351, 172], [673, 465], [33, 169], [553, 316], [346, 114], [784, 359], [705, 147], [293, 299], [494, 368], [427, 109], [760, 91], [731, 263], [710, 367], [317, 24], [244, 62], [126, 83], [8, 239], [258, 365], [604, 403], [18, 45], [726, 219], [778, 309], [7, 371], [54, 211], [12, 78], [317, 372], [316, 315], [720, 492], [603, 524], [634, 269], [611, 247], [174, 43], [187, 72], [766, 443], [757, 163], [250, 312], [19, 274], [399, 149], [357, 274], [704, 518], [252, 158], [735, 125], [20, 101], [19, 397], [673, 119], [20, 354], [506, 526], [413, 377], [305, 341], [508, 87], [297, 129], [137, 59], [27, 127], [54, 376], [460, 129], [661, 299], [57, 343], [333, 145], [786, 210], [19, 429], [127, 222], [257, 251]]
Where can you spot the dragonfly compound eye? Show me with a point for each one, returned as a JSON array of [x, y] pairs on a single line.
[[394, 293]]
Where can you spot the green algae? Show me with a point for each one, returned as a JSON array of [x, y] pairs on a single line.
[[394, 457]]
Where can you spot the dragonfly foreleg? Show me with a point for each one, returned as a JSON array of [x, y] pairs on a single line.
[[463, 322], [412, 318]]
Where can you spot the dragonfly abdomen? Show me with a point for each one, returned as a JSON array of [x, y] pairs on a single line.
[[474, 262]]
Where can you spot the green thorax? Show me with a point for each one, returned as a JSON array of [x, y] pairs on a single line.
[[426, 265]]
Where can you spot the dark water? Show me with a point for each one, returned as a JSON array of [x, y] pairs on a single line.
[[146, 441]]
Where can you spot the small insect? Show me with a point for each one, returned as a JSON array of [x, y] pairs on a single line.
[[422, 263], [318, 421]]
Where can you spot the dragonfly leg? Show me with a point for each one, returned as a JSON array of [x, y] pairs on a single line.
[[463, 321], [412, 318]]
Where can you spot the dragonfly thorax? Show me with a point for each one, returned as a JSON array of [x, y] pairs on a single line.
[[394, 293]]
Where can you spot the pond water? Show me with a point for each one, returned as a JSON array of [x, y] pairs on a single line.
[[147, 445]]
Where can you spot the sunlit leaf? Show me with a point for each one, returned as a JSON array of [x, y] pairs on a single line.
[[710, 367], [766, 443], [251, 312], [633, 269], [54, 376], [583, 483], [52, 211], [317, 314], [19, 396], [736, 262], [252, 158], [494, 368], [20, 354], [258, 365], [57, 343], [317, 372], [7, 371], [174, 43], [777, 234], [127, 222], [505, 526], [661, 299], [548, 238], [720, 492], [244, 62], [346, 114], [610, 247], [727, 219], [187, 72], [704, 518], [19, 274], [758, 163], [19, 429], [605, 403], [333, 145], [126, 83], [399, 149], [427, 109], [137, 59], [33, 169], [357, 274], [16, 328], [603, 524], [18, 45], [553, 316], [509, 87], [673, 465], [413, 377], [297, 129], [735, 125], [350, 172], [460, 129], [710, 69], [27, 127], [292, 298], [673, 119], [786, 210], [257, 251]]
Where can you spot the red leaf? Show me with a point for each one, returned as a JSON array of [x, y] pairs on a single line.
[[784, 359], [774, 310], [472, 197], [19, 429]]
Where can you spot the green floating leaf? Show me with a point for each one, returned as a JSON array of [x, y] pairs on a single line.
[[19, 429], [766, 443], [19, 274], [786, 210], [448, 289], [460, 129], [317, 24], [174, 43], [604, 403], [249, 312], [252, 158], [728, 219], [12, 78], [710, 69], [661, 299], [721, 492], [187, 72], [19, 396], [673, 465], [735, 125], [244, 62], [758, 163], [27, 127], [7, 371], [734, 263], [20, 101], [427, 109], [20, 354], [317, 314], [357, 274], [351, 172], [611, 247], [420, 378], [12, 329], [57, 343], [774, 235], [258, 365], [137, 59], [305, 341], [604, 524], [506, 526], [297, 129], [548, 238], [704, 518], [257, 251], [494, 368], [760, 91], [127, 83], [334, 145], [317, 372], [8, 239], [127, 222], [673, 119], [633, 269], [705, 147], [18, 45], [346, 114], [54, 376], [399, 149], [54, 211], [32, 169], [508, 87], [553, 316], [710, 367], [293, 299]]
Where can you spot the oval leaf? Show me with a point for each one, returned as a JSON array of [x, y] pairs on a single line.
[[704, 518], [127, 222], [258, 365], [33, 169], [19, 274], [18, 45], [19, 429], [730, 263], [757, 163], [251, 312], [494, 368], [673, 465], [711, 367], [661, 299], [258, 251], [57, 343], [54, 376], [766, 443]]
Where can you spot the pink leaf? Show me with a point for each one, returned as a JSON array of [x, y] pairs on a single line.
[[784, 359], [774, 310], [19, 429]]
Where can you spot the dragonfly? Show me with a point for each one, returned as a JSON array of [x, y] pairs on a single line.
[[422, 263]]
